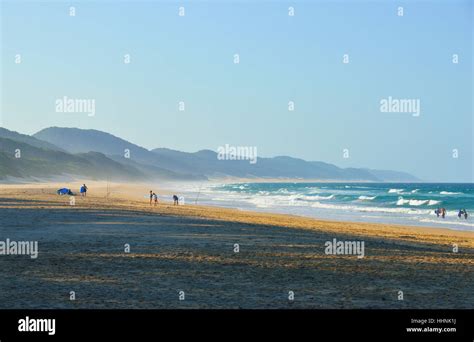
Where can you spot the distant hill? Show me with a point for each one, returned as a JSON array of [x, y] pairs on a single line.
[[393, 176], [206, 162], [44, 163], [75, 140], [104, 155], [5, 133]]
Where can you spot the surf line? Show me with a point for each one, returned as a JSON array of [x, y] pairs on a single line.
[[9, 247]]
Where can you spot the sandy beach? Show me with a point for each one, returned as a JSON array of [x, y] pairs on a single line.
[[191, 248]]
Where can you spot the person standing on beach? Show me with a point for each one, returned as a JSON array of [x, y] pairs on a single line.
[[84, 187], [151, 196], [175, 200], [155, 198]]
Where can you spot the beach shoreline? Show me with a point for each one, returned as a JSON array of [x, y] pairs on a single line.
[[191, 248], [406, 204], [136, 194]]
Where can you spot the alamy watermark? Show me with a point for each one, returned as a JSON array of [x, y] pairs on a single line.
[[9, 247], [228, 152], [72, 105], [393, 105], [335, 247], [28, 324]]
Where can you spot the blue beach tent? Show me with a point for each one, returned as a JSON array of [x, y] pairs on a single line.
[[64, 191]]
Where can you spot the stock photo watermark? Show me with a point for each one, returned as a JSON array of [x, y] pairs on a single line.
[[11, 247], [75, 106], [394, 105], [228, 152], [340, 247]]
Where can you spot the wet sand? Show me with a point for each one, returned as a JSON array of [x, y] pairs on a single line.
[[191, 249]]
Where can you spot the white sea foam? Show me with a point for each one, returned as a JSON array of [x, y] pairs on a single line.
[[283, 191], [367, 198], [450, 193], [322, 197], [338, 207], [395, 191], [416, 203], [402, 201], [308, 198], [457, 222]]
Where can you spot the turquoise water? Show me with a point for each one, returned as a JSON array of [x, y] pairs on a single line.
[[410, 203]]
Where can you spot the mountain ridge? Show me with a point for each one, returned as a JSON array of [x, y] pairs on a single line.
[[106, 154]]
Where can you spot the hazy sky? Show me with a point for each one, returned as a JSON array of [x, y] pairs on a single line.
[[282, 58]]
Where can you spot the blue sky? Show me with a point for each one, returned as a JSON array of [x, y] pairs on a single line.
[[282, 59]]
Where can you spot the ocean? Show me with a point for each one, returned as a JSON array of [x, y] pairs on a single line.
[[399, 203]]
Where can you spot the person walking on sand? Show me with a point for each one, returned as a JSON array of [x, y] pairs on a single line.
[[175, 200], [84, 190], [151, 196], [155, 198]]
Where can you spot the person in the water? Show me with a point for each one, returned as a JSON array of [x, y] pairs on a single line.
[[462, 212], [437, 212]]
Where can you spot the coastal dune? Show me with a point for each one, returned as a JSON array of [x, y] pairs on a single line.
[[195, 256]]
